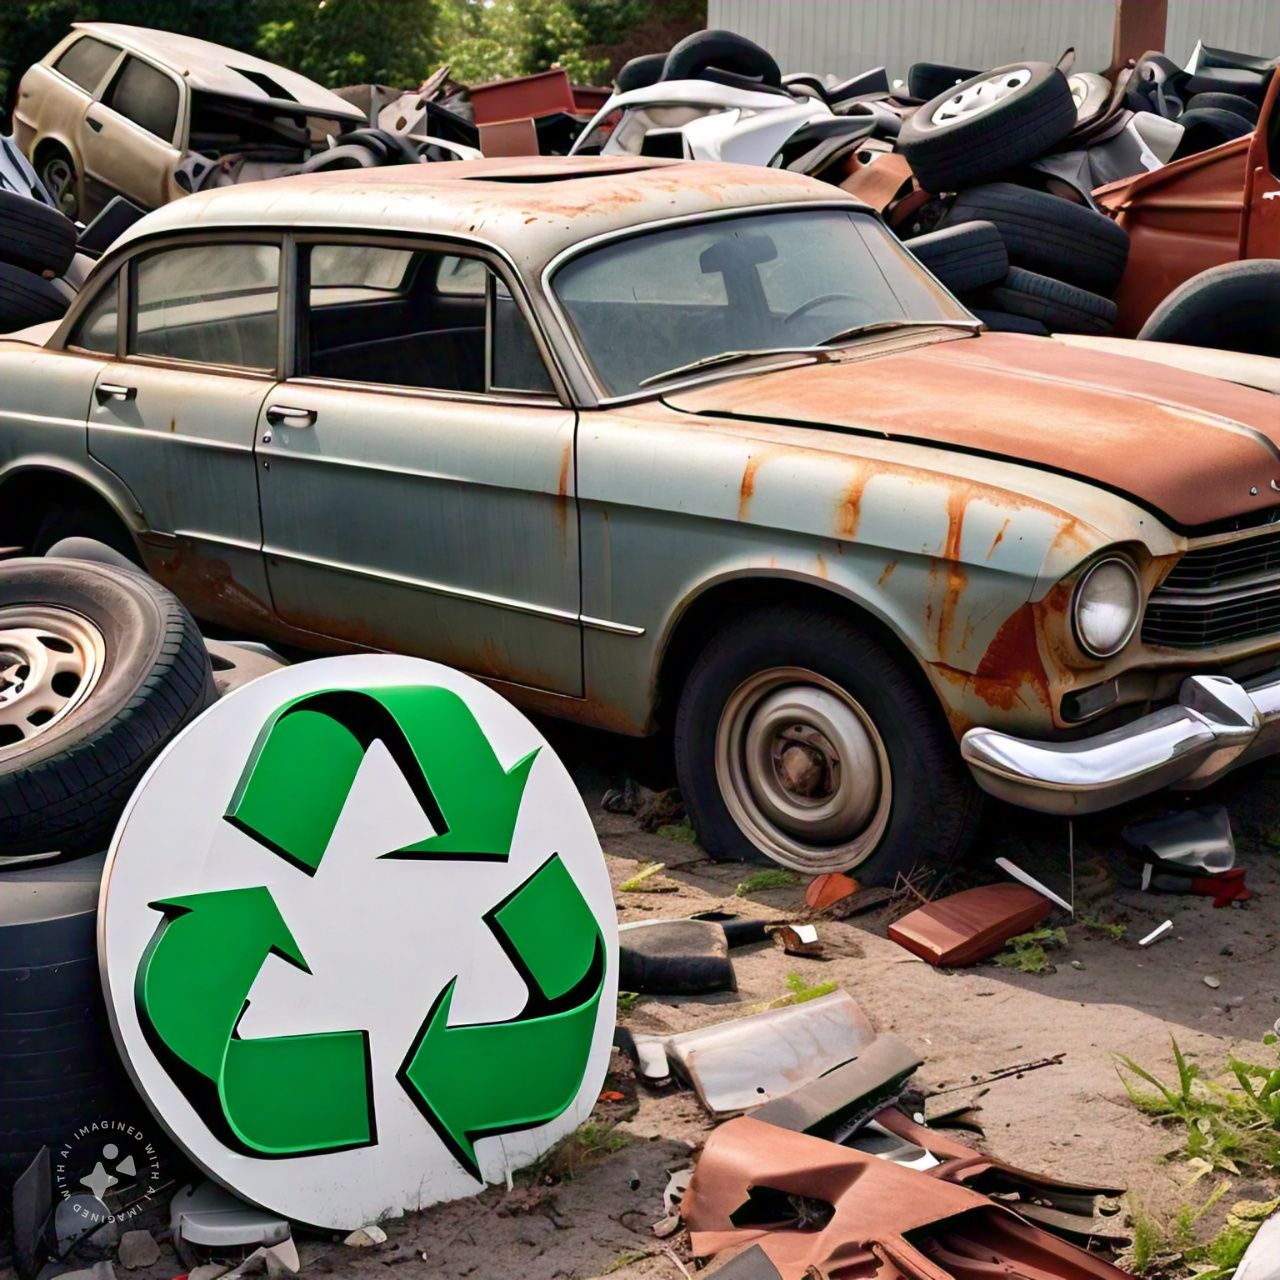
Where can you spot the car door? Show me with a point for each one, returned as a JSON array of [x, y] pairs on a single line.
[[175, 412], [128, 138], [416, 472]]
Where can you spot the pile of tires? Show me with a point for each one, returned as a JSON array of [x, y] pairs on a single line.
[[99, 668], [37, 244], [970, 146]]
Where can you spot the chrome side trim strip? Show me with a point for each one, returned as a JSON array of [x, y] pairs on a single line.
[[614, 628]]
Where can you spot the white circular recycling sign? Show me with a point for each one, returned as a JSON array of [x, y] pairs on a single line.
[[359, 942]]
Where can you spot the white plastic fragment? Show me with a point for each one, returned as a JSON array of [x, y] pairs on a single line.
[[1158, 932], [1032, 883], [364, 1237]]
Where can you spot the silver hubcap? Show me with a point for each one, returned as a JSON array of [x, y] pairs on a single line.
[[803, 770], [60, 181], [50, 660], [980, 97]]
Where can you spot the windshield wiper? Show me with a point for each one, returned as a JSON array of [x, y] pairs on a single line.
[[727, 357], [883, 326]]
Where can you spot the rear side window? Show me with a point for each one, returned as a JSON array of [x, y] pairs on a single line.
[[210, 304], [146, 96], [96, 329], [86, 61]]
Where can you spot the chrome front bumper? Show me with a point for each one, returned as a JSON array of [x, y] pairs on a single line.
[[1216, 725]]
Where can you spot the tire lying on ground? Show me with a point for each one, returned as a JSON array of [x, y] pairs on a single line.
[[1048, 234], [990, 123], [1234, 307], [58, 1066], [27, 299], [34, 236], [1225, 102], [1208, 127], [801, 738], [1060, 307], [966, 257], [927, 80], [1004, 322], [99, 668]]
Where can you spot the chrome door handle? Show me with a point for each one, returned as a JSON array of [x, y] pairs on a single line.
[[283, 415], [114, 391]]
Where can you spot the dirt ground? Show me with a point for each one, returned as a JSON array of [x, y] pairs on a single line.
[[1106, 997]]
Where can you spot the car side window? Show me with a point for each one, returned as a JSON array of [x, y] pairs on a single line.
[[96, 328], [210, 304], [397, 317], [86, 61], [146, 96]]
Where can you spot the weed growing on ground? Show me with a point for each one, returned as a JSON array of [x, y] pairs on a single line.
[[770, 878], [1231, 1122], [1107, 928], [588, 1142], [682, 831], [636, 883], [1028, 952], [627, 1001]]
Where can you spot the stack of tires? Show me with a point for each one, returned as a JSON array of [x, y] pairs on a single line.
[[37, 244], [99, 668], [1021, 257]]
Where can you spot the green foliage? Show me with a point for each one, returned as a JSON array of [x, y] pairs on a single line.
[[627, 1001], [1230, 1123], [1028, 952], [1107, 928], [636, 883], [770, 878], [682, 831], [802, 991], [513, 37]]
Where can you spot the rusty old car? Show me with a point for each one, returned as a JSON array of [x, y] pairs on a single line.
[[669, 445]]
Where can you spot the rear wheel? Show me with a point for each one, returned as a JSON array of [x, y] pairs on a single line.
[[802, 740], [58, 173]]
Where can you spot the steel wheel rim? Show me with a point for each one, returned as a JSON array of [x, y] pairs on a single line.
[[803, 770], [976, 98], [50, 661], [59, 179]]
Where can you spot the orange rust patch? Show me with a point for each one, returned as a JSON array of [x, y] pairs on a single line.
[[747, 489], [957, 577], [999, 538], [849, 506], [1011, 665], [822, 567], [886, 573], [562, 489]]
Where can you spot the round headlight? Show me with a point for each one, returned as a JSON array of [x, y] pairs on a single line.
[[1105, 612]]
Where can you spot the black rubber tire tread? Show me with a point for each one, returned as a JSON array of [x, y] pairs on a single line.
[[723, 50], [1225, 102], [1049, 234], [1208, 127], [965, 257], [353, 155], [84, 522], [641, 72], [1010, 133], [1235, 307], [1060, 307], [926, 80], [1006, 322], [68, 787], [936, 806], [34, 236], [27, 299]]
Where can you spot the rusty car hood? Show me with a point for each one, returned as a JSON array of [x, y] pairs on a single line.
[[1192, 449]]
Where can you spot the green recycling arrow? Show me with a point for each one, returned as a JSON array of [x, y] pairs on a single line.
[[306, 758], [493, 1077], [191, 991]]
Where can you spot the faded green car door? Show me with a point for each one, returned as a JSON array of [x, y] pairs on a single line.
[[416, 473]]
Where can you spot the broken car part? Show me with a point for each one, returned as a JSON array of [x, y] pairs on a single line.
[[99, 668], [1156, 934], [1025, 877], [809, 1203], [835, 1104], [743, 1063], [1197, 839], [674, 957], [969, 926], [206, 1218]]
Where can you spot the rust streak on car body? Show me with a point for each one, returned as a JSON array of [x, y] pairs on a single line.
[[849, 506], [999, 538], [562, 490], [747, 489]]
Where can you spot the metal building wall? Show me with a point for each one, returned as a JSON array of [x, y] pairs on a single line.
[[841, 37]]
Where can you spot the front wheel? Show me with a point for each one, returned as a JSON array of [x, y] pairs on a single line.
[[802, 740]]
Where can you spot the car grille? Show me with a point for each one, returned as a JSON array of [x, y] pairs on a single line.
[[1216, 595]]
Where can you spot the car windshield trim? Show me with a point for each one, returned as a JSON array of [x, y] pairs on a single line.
[[887, 326], [727, 357]]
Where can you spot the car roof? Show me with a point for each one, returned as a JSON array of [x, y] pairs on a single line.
[[531, 208], [214, 68]]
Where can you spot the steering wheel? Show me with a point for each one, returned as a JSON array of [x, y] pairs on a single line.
[[820, 301]]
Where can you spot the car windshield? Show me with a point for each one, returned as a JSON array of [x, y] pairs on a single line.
[[732, 288]]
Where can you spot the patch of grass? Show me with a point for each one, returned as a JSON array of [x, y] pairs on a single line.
[[623, 1260], [635, 884], [769, 878], [1028, 952], [1108, 929], [682, 831], [1231, 1122], [627, 1001], [589, 1141]]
